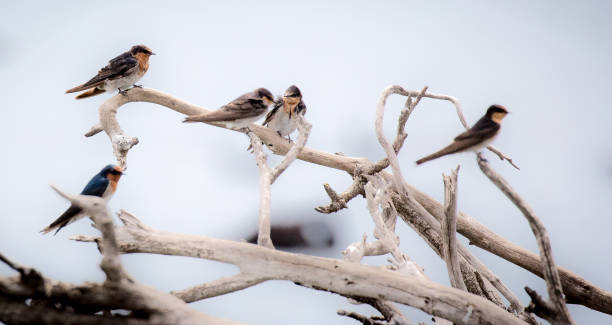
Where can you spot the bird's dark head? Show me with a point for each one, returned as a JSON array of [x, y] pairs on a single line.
[[497, 113], [292, 95], [136, 49], [293, 91], [265, 95], [112, 171]]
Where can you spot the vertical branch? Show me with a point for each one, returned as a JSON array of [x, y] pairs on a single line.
[[265, 182], [267, 176], [389, 150], [449, 230], [559, 314], [304, 129]]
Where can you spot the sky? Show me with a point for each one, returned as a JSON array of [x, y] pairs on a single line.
[[546, 61]]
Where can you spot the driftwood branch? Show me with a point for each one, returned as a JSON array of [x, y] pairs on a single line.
[[374, 320], [96, 208], [551, 274], [49, 298], [449, 229], [219, 287], [419, 219], [344, 278], [577, 290], [265, 182], [268, 175]]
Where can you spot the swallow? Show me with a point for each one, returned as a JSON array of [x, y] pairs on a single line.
[[103, 184], [477, 137], [240, 112], [121, 73], [283, 116]]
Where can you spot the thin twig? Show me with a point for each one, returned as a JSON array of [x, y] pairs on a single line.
[[218, 287], [502, 156], [361, 318], [304, 131]]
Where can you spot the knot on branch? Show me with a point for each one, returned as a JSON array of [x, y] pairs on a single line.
[[337, 202], [540, 307], [121, 145]]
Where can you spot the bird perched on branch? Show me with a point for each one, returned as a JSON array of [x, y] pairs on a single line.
[[103, 185], [240, 112], [283, 117], [121, 73], [477, 137]]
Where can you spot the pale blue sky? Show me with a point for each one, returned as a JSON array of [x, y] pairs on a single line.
[[547, 61]]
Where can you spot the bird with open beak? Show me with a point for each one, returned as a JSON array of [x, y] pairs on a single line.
[[283, 116]]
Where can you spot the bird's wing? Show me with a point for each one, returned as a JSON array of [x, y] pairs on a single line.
[[482, 130], [63, 220], [301, 108], [118, 67], [277, 104], [244, 106], [96, 186], [470, 138]]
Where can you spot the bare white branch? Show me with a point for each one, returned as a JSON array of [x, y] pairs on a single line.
[[219, 287], [267, 176], [265, 182], [577, 289], [165, 308], [449, 230], [345, 278], [551, 275], [304, 131], [95, 207]]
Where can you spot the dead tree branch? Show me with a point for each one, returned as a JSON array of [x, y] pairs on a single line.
[[449, 229], [344, 278], [268, 175], [576, 289], [119, 291], [551, 274], [219, 287]]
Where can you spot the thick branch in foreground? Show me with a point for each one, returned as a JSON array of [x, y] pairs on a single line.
[[345, 278], [52, 302], [551, 274]]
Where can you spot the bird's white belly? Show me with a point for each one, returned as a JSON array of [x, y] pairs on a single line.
[[108, 193], [483, 144], [283, 124], [122, 83]]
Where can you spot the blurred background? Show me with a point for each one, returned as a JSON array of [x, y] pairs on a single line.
[[547, 61]]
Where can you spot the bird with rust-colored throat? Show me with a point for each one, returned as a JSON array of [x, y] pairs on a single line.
[[120, 74], [103, 184], [477, 137], [283, 116]]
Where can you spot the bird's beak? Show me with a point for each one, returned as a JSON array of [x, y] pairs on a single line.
[[153, 53]]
